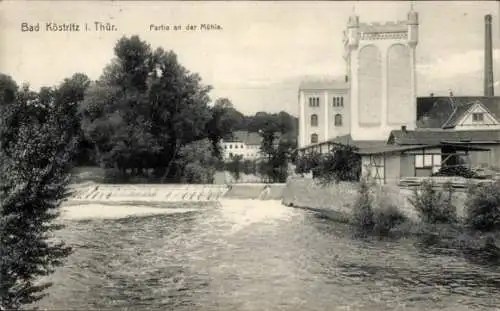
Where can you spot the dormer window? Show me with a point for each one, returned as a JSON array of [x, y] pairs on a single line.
[[478, 117]]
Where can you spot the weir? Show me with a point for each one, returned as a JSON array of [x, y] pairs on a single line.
[[150, 193]]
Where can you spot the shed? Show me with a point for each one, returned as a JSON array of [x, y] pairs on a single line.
[[387, 164]]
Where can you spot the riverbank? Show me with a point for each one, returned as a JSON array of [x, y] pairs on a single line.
[[337, 200]]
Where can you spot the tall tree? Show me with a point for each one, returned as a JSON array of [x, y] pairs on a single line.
[[35, 161], [144, 109], [222, 123]]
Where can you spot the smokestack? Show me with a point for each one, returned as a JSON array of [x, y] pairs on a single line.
[[488, 59]]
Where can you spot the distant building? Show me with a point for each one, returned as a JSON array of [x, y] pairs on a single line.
[[378, 93], [397, 134], [245, 144]]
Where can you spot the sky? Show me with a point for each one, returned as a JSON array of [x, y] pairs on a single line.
[[263, 50]]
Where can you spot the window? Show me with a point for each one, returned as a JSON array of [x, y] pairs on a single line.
[[313, 101], [314, 138], [338, 119], [338, 102], [230, 146], [225, 146], [428, 161], [242, 147], [477, 117], [235, 146], [314, 120]]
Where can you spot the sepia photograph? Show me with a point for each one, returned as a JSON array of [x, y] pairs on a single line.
[[249, 155]]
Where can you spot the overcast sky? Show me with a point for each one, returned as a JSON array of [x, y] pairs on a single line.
[[263, 50]]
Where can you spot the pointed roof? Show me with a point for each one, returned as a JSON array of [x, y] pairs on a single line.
[[444, 112], [436, 136]]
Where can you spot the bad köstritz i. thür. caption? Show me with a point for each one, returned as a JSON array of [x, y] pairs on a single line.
[[68, 27]]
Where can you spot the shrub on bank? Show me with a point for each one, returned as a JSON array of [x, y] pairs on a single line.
[[374, 215], [386, 218], [363, 215], [483, 207], [434, 206], [441, 227]]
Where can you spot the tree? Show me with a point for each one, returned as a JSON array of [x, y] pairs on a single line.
[[222, 123], [35, 161], [196, 163], [144, 109], [235, 167], [276, 155]]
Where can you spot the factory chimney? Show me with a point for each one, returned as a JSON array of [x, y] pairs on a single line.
[[488, 59]]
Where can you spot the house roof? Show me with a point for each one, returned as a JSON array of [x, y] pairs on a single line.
[[458, 113], [437, 136], [249, 138], [322, 84], [445, 112], [398, 148], [347, 140]]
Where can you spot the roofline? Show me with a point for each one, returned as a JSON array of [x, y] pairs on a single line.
[[345, 88], [418, 147]]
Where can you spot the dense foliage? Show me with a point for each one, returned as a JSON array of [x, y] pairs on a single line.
[[144, 110], [434, 206], [483, 207], [38, 139], [371, 218], [277, 153], [341, 163]]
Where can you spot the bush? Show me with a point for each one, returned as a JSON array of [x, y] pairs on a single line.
[[483, 207], [340, 164], [194, 173], [196, 162], [307, 162], [363, 215], [433, 206], [386, 218], [377, 216]]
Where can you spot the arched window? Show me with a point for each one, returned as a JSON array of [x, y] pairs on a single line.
[[338, 119], [314, 120], [314, 138]]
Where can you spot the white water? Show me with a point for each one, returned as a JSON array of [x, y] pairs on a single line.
[[101, 211], [243, 213]]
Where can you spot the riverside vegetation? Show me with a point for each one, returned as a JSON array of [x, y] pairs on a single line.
[[439, 227], [147, 118]]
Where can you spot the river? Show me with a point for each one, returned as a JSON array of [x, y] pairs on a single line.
[[252, 256]]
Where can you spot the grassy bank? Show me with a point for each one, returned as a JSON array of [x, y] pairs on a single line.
[[442, 220]]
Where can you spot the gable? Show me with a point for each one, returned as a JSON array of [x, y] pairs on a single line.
[[446, 112], [467, 120]]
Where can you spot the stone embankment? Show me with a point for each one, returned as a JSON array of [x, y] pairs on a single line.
[[337, 200], [144, 193]]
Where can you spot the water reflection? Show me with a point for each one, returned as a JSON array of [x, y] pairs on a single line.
[[256, 256]]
